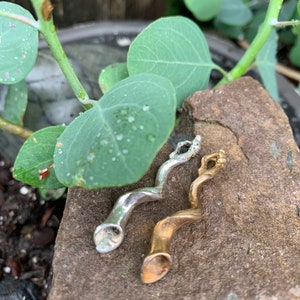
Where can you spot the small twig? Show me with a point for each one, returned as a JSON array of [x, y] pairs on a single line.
[[15, 129], [288, 72], [286, 23]]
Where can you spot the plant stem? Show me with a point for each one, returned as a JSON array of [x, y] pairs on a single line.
[[261, 37], [222, 71], [20, 18], [281, 69], [287, 23], [15, 129], [47, 28]]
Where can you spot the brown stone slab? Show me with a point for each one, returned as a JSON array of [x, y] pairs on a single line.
[[247, 244]]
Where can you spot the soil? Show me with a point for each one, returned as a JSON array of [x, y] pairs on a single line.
[[28, 227]]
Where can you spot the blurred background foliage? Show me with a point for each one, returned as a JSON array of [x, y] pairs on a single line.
[[240, 20], [235, 19]]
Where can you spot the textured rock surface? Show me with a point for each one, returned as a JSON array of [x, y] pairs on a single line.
[[247, 244]]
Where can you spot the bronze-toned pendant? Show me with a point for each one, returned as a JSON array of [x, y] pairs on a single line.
[[158, 262]]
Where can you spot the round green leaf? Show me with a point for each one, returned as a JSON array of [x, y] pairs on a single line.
[[234, 32], [287, 10], [16, 103], [114, 142], [234, 13], [36, 156], [203, 10], [252, 29], [295, 53], [18, 44], [266, 61], [175, 48], [111, 75], [49, 195], [296, 30]]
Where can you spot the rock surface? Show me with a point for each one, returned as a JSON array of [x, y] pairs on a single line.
[[247, 244]]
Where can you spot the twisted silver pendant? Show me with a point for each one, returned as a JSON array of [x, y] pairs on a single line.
[[110, 234]]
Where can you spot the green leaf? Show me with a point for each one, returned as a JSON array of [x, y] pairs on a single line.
[[296, 16], [287, 10], [295, 53], [15, 103], [296, 30], [50, 195], [234, 13], [252, 28], [36, 155], [111, 75], [234, 32], [203, 10], [114, 143], [298, 7], [175, 48], [266, 61], [19, 44]]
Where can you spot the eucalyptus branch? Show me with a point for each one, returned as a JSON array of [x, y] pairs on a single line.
[[15, 129], [260, 39], [20, 18], [43, 9]]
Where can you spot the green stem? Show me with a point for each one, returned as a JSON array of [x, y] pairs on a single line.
[[221, 70], [260, 39], [15, 129], [20, 18], [47, 28]]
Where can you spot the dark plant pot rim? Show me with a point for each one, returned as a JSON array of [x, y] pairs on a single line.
[[217, 45]]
